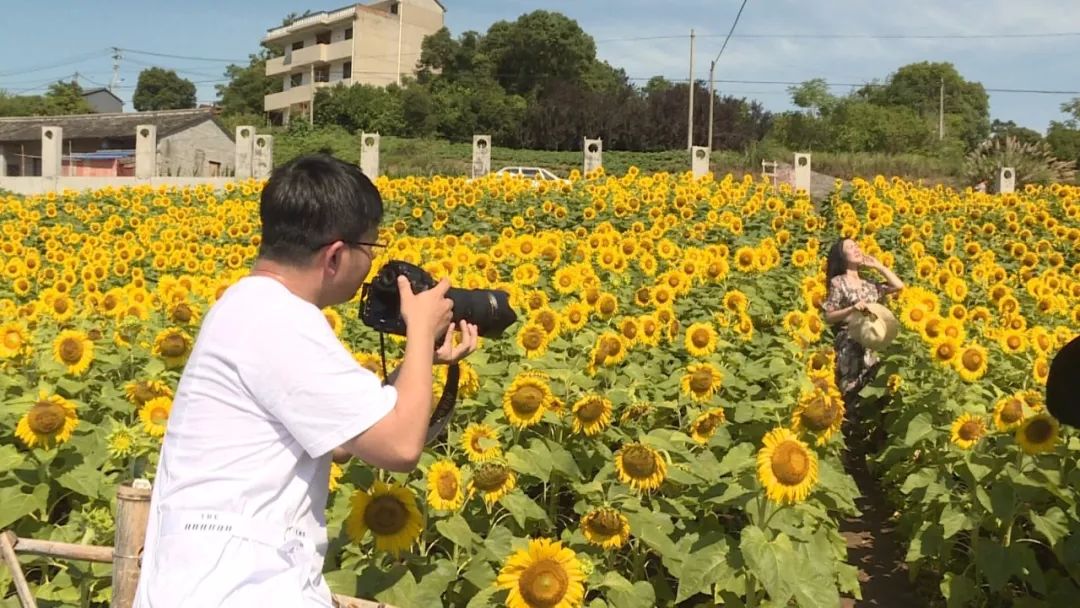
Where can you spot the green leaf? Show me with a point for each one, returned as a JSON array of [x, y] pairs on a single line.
[[816, 580], [484, 598], [771, 562], [959, 590], [706, 562], [480, 574], [918, 429], [534, 461], [456, 529], [9, 458], [16, 503], [563, 461], [620, 593], [993, 561], [69, 386], [953, 521], [85, 480], [433, 584], [522, 508], [1053, 525], [401, 592], [919, 479], [1003, 501], [498, 543], [653, 529], [342, 581], [737, 458]]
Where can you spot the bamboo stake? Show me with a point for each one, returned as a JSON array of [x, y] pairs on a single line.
[[132, 512], [22, 588], [48, 548], [344, 601]]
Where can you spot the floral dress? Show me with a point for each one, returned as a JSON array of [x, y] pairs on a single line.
[[855, 364]]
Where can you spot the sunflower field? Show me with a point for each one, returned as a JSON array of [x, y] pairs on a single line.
[[661, 427]]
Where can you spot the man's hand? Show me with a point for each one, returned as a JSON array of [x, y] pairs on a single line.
[[428, 313], [448, 353]]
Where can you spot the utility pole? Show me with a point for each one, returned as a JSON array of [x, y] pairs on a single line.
[[941, 112], [400, 25], [712, 68], [690, 121], [115, 70]]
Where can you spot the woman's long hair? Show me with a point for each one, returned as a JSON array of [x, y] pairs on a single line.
[[835, 264]]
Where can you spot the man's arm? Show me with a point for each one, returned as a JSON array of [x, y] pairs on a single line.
[[342, 455]]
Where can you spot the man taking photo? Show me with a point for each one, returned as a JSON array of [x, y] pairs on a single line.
[[269, 394]]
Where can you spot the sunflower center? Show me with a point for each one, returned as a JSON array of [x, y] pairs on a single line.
[[60, 305], [527, 399], [1012, 412], [611, 347], [819, 414], [972, 360], [159, 415], [945, 350], [605, 523], [12, 340], [1014, 342], [548, 321], [707, 424], [144, 392], [917, 314], [701, 381], [385, 515], [446, 486], [182, 313], [1039, 431], [46, 418], [790, 463], [491, 477], [532, 339], [607, 306], [590, 411], [173, 345], [639, 462], [544, 583], [970, 430], [71, 350], [700, 338]]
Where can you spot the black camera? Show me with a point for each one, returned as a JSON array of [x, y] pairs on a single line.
[[380, 302], [380, 309]]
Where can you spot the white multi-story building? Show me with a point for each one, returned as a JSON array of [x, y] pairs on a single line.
[[375, 43]]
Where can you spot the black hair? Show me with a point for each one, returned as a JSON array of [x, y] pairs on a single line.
[[313, 200], [1063, 385], [835, 263]]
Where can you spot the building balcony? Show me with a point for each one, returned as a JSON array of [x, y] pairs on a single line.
[[319, 20], [285, 99], [319, 53]]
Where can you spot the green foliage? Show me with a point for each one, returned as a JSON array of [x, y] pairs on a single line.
[[62, 98], [161, 89], [1064, 141], [538, 48], [248, 85], [360, 108]]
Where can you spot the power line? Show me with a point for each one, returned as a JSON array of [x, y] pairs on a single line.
[[857, 36], [189, 57]]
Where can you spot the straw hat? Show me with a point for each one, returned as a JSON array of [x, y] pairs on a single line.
[[1063, 384], [873, 328]]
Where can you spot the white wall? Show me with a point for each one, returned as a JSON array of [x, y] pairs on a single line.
[[41, 185]]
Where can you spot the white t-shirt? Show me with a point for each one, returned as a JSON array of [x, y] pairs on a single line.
[[266, 394]]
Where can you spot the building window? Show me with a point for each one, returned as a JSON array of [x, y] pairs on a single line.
[[348, 33], [322, 73], [322, 38], [394, 8], [299, 44], [346, 70], [296, 80]]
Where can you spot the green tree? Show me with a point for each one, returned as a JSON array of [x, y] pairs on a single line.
[[1000, 129], [248, 85], [65, 98], [161, 89], [918, 86], [360, 107], [538, 48], [1063, 137], [813, 95]]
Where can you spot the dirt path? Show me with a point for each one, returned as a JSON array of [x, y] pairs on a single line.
[[874, 546]]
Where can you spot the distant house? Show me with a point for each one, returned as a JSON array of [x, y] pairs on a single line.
[[189, 143], [103, 101]]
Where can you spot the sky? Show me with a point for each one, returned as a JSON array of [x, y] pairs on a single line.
[[1001, 43]]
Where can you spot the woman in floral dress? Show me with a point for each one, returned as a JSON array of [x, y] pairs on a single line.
[[848, 293]]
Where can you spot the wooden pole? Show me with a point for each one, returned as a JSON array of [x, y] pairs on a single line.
[[344, 601], [22, 588], [48, 548], [132, 511]]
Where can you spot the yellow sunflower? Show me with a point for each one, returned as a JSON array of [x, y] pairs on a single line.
[[1040, 370], [967, 430], [74, 350], [574, 316], [591, 414], [1008, 413], [155, 415], [173, 345], [492, 480], [1038, 434], [701, 381], [819, 413], [14, 340], [50, 422], [605, 527], [444, 486], [704, 426], [389, 511], [525, 401], [481, 443], [544, 575], [533, 339], [640, 466], [120, 442], [787, 468], [700, 339], [139, 392], [336, 473], [971, 362]]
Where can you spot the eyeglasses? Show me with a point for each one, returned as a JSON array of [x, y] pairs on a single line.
[[349, 243]]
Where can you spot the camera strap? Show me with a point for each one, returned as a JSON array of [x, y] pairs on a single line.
[[444, 409]]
